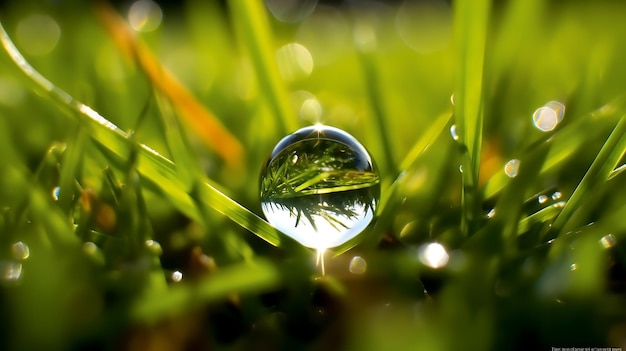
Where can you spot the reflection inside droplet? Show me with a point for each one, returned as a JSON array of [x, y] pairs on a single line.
[[453, 133], [556, 195], [20, 251], [177, 276], [511, 168], [608, 241], [37, 34], [358, 265], [145, 15], [294, 61], [433, 255], [547, 117]]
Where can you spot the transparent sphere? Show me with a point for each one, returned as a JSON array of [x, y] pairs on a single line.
[[320, 187]]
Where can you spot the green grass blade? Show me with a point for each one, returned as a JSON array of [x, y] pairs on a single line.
[[599, 171], [251, 17], [160, 172], [470, 29]]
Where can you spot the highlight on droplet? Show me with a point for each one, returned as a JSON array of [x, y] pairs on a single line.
[[177, 276], [547, 117], [453, 133], [433, 255], [608, 241], [20, 251]]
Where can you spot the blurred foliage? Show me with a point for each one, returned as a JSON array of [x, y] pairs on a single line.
[[105, 245]]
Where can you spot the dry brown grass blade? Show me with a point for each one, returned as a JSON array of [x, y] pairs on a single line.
[[202, 121]]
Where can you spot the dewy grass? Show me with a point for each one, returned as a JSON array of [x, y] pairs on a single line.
[[142, 248]]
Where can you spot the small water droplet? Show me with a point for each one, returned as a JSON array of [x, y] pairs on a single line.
[[608, 241], [452, 99], [573, 267], [177, 276], [547, 117], [512, 167], [20, 251], [556, 195], [453, 133], [358, 265], [55, 193], [542, 199], [329, 196], [460, 168], [433, 255], [11, 271], [491, 213], [145, 15], [154, 247]]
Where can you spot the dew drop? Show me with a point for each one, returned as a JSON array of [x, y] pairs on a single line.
[[460, 168], [145, 15], [547, 117], [154, 247], [55, 193], [358, 265], [329, 196], [573, 267], [433, 255], [491, 213], [452, 99], [20, 251], [608, 241], [177, 276], [455, 136], [556, 195], [542, 199], [11, 271], [511, 168]]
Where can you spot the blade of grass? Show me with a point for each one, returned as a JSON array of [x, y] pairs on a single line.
[[599, 171], [251, 17], [158, 171], [470, 29], [203, 122]]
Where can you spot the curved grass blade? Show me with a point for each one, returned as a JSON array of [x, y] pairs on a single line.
[[156, 170], [203, 121]]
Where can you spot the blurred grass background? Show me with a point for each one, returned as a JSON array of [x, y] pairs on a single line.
[[134, 252]]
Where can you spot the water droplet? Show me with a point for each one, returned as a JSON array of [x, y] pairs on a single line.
[[358, 265], [20, 251], [11, 271], [145, 15], [329, 196], [512, 167], [177, 276], [547, 117], [433, 255], [573, 267], [294, 61], [608, 241], [154, 247], [55, 193], [542, 199], [556, 195], [491, 213], [452, 99], [291, 11], [455, 136], [460, 168]]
